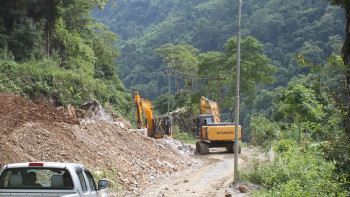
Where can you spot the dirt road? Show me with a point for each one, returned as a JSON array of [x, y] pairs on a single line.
[[210, 178]]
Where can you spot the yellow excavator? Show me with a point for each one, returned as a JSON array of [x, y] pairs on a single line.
[[212, 132], [157, 127]]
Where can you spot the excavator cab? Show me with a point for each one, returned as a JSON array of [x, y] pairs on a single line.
[[203, 120], [163, 126]]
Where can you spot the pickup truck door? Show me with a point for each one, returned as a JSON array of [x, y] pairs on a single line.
[[91, 183], [85, 191], [88, 184]]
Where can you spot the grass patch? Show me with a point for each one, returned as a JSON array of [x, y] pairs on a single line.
[[184, 136]]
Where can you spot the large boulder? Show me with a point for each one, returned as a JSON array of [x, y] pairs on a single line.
[[70, 111], [94, 110]]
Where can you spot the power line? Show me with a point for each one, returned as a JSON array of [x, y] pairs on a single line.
[[184, 75]]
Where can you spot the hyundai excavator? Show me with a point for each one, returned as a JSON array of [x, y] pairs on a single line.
[[157, 127], [212, 132]]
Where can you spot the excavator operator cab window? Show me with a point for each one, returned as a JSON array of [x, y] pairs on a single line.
[[203, 120], [208, 121]]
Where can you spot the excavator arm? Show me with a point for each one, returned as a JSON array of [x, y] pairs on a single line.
[[157, 126], [148, 109], [138, 106], [211, 107], [142, 104]]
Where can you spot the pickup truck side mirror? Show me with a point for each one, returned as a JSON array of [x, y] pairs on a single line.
[[102, 184]]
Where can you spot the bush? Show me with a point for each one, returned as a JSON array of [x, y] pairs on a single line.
[[263, 131], [337, 151], [44, 79], [183, 136], [285, 145], [295, 173]]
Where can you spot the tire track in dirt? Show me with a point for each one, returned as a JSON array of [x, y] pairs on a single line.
[[210, 178]]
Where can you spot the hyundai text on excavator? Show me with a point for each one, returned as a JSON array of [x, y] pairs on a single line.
[[212, 132], [157, 127]]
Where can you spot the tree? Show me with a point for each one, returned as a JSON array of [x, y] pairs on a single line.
[[300, 104], [345, 52], [255, 68], [64, 54], [182, 59]]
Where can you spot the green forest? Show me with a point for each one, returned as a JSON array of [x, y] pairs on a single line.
[[277, 30], [295, 77], [56, 51]]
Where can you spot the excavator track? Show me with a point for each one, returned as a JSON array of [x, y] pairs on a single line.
[[202, 148], [231, 148]]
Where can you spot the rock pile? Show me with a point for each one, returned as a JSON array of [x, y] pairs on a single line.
[[184, 119], [39, 132]]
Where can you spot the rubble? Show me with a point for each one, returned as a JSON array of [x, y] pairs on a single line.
[[38, 132], [184, 119]]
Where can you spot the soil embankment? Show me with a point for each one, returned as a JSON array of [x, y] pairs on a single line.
[[39, 132]]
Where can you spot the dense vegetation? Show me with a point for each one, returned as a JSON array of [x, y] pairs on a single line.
[[283, 28], [303, 140], [54, 50], [296, 171]]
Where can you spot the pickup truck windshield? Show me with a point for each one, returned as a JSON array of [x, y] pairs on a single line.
[[36, 178]]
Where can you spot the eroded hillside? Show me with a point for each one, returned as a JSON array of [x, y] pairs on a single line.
[[38, 132]]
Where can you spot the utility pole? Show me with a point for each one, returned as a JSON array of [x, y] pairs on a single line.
[[132, 99], [236, 145], [168, 73], [218, 93], [169, 96]]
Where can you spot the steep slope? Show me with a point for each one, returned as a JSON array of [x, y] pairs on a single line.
[[38, 132]]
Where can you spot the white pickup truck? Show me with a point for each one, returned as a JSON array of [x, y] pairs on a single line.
[[49, 179]]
